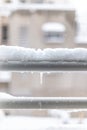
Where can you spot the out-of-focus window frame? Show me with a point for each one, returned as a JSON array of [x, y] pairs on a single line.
[[23, 36], [4, 34], [53, 37]]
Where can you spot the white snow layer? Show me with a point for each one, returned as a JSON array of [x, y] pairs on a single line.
[[14, 53], [53, 26], [5, 76], [5, 95]]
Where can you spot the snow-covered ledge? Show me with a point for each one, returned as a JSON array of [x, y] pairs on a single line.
[[15, 58]]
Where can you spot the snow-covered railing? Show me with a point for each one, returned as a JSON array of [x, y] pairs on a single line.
[[21, 59], [11, 102]]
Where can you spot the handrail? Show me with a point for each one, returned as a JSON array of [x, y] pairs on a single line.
[[26, 59], [42, 66], [71, 61], [43, 103]]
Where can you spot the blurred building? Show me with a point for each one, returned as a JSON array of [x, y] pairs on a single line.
[[37, 25]]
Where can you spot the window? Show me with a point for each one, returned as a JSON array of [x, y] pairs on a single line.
[[53, 37], [4, 34], [53, 32], [23, 36]]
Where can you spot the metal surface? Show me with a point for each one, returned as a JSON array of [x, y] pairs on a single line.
[[43, 103], [43, 66]]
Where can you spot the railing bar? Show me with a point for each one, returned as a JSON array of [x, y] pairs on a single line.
[[43, 103], [43, 66]]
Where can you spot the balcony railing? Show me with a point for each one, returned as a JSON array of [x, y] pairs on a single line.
[[13, 64], [43, 103]]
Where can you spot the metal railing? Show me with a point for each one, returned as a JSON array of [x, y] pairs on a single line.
[[43, 102], [43, 66]]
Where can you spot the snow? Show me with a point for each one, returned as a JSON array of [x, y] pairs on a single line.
[[14, 53], [27, 123], [82, 29], [5, 95], [5, 76], [54, 27], [7, 9], [43, 6], [61, 114], [2, 114], [34, 123], [81, 19]]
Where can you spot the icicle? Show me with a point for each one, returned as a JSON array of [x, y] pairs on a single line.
[[41, 77]]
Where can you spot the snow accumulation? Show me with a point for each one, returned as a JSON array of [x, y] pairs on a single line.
[[61, 114], [5, 95], [5, 76], [7, 9], [28, 123], [45, 6], [34, 123], [14, 53], [53, 26]]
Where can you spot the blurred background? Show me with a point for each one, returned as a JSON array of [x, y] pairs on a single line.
[[44, 24]]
